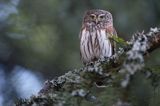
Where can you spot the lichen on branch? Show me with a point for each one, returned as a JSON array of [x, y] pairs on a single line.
[[76, 87]]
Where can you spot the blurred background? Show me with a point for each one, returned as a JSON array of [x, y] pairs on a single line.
[[39, 38]]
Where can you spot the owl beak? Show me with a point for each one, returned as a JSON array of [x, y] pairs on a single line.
[[97, 21]]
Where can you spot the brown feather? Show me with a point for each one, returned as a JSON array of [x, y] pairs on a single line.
[[112, 32], [95, 36]]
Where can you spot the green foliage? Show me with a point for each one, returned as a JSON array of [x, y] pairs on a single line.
[[120, 42]]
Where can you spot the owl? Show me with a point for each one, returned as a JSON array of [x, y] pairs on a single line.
[[97, 29]]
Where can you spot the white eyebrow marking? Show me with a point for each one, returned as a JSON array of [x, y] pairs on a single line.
[[93, 15], [102, 15]]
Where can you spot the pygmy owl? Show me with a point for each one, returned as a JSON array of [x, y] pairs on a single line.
[[97, 29]]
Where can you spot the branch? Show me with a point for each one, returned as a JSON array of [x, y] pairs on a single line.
[[76, 85], [154, 39]]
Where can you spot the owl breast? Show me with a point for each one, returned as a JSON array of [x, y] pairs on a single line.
[[94, 44]]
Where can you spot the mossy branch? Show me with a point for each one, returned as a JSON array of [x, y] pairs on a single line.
[[75, 88]]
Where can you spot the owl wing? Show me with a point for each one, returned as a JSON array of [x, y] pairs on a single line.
[[110, 31], [80, 36], [80, 33]]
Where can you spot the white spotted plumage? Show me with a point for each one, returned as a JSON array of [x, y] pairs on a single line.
[[94, 45], [97, 29]]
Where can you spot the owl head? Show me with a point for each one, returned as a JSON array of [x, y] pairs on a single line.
[[98, 17]]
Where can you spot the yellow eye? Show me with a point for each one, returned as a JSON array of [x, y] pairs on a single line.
[[101, 16], [93, 16]]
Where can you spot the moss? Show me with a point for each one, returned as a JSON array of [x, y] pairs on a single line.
[[125, 81]]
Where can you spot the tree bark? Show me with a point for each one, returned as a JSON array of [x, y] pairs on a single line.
[[119, 71]]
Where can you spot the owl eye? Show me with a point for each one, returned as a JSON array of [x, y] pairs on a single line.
[[93, 16], [101, 16]]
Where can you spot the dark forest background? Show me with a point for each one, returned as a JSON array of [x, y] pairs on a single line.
[[39, 38]]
